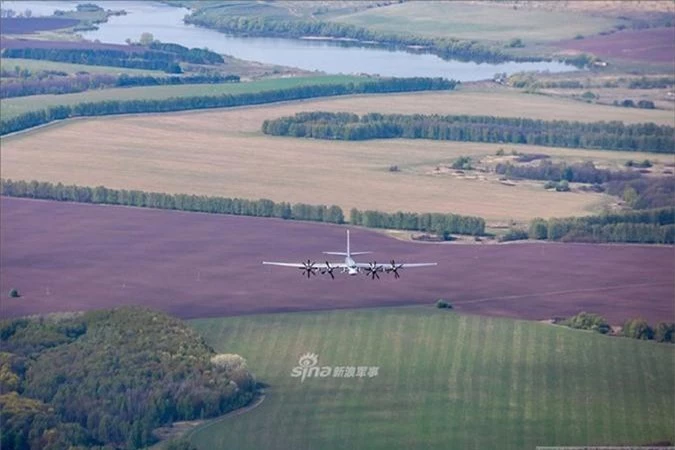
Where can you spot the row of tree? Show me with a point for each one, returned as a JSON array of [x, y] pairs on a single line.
[[652, 83], [442, 224], [613, 135], [180, 202], [79, 380], [585, 172], [438, 223], [654, 226], [147, 59], [189, 55], [35, 118], [84, 82], [633, 328], [446, 48]]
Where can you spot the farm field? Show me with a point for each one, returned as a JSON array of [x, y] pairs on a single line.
[[35, 65], [475, 20], [14, 106], [223, 152], [444, 381], [651, 45], [69, 257], [22, 25]]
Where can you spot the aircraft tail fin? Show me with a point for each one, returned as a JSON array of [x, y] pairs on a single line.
[[348, 253]]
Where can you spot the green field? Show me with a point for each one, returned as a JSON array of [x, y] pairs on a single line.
[[36, 65], [482, 21], [12, 107], [445, 381]]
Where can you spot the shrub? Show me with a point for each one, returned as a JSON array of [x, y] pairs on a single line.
[[462, 163], [514, 234], [500, 152], [588, 95], [443, 304], [637, 329], [563, 186], [538, 229], [646, 104], [588, 321], [14, 293], [664, 332]]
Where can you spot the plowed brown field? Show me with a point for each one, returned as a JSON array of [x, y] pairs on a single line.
[[651, 45], [65, 257]]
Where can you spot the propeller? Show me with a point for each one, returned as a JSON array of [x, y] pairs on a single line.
[[308, 268], [394, 269], [372, 270], [328, 270]]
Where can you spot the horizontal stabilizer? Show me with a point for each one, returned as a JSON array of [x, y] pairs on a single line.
[[345, 254]]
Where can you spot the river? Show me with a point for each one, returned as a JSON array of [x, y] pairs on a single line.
[[166, 24]]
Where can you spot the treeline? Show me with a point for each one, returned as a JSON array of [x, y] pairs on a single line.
[[446, 48], [82, 82], [35, 118], [613, 135], [653, 226], [180, 202], [652, 83], [585, 172], [147, 59], [645, 192], [107, 379], [190, 55], [158, 56], [632, 328], [440, 224]]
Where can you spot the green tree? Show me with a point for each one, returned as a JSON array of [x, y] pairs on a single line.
[[664, 332], [538, 229], [637, 329]]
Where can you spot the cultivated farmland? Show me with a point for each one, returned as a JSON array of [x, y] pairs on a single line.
[[35, 65], [14, 106], [651, 45], [67, 257], [224, 153], [444, 381], [476, 20]]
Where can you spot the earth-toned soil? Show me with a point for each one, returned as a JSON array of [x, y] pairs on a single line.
[[26, 25], [35, 43], [66, 257], [650, 45]]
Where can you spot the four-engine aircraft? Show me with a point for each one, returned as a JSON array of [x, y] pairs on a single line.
[[349, 266]]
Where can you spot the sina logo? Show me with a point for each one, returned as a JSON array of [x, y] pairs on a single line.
[[308, 366]]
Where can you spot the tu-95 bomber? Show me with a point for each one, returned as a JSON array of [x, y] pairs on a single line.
[[349, 266]]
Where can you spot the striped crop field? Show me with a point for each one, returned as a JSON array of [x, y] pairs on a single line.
[[444, 381]]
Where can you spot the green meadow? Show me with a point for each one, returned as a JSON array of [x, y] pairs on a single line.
[[444, 381]]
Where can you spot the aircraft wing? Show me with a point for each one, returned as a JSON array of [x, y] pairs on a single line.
[[400, 265], [316, 265]]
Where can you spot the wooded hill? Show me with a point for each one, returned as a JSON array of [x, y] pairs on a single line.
[[108, 378]]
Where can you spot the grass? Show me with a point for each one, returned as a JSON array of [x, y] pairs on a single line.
[[223, 152], [14, 106], [35, 65], [445, 381], [476, 20]]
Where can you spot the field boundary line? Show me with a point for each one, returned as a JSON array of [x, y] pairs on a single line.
[[571, 291], [237, 412]]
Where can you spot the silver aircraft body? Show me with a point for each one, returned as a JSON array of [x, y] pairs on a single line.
[[349, 266]]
